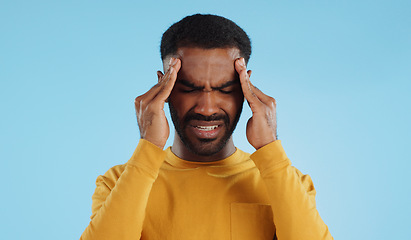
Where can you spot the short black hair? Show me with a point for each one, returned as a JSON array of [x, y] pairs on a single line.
[[205, 31]]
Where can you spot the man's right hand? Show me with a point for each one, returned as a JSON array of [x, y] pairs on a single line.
[[151, 118]]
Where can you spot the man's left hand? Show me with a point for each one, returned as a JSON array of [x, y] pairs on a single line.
[[262, 126]]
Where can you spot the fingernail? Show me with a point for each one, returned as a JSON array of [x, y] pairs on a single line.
[[171, 61], [242, 62]]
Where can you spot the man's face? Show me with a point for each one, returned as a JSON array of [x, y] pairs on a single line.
[[206, 101]]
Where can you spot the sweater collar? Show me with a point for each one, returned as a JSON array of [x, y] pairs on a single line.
[[235, 158]]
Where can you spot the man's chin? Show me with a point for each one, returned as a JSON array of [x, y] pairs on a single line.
[[205, 151], [206, 146], [207, 140]]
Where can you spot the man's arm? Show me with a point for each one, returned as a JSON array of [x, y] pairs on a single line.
[[292, 196], [119, 208], [291, 193]]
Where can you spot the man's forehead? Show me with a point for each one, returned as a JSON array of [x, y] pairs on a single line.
[[196, 57], [203, 80], [214, 68]]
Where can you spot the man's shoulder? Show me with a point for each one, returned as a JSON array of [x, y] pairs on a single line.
[[110, 177]]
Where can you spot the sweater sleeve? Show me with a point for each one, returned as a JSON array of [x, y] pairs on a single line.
[[292, 196], [120, 198]]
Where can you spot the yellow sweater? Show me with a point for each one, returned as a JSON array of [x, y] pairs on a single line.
[[157, 195]]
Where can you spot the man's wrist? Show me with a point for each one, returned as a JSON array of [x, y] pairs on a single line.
[[270, 156], [148, 156]]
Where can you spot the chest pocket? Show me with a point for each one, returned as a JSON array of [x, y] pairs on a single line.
[[251, 221]]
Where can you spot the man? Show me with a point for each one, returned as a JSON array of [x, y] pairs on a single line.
[[202, 187]]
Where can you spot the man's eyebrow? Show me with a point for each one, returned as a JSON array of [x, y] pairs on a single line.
[[189, 84], [192, 85], [226, 84]]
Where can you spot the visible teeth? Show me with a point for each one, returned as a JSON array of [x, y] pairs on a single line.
[[207, 128]]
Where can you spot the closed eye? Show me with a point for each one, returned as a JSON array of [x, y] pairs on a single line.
[[225, 91], [189, 91], [186, 89]]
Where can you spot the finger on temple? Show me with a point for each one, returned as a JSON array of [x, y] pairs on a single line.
[[246, 84], [170, 81], [156, 89]]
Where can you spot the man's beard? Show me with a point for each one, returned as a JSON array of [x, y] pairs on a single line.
[[208, 147]]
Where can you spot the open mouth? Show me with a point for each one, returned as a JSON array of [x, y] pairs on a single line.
[[207, 128]]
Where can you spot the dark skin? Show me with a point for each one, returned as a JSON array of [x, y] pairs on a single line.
[[207, 85], [208, 82]]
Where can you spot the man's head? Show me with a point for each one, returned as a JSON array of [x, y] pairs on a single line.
[[207, 32], [206, 101]]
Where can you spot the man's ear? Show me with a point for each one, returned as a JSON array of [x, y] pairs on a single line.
[[159, 75], [249, 73]]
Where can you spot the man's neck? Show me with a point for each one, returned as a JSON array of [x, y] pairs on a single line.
[[181, 151]]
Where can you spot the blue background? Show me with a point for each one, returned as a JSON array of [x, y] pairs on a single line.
[[339, 70]]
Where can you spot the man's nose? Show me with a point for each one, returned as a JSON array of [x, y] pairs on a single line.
[[206, 104]]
